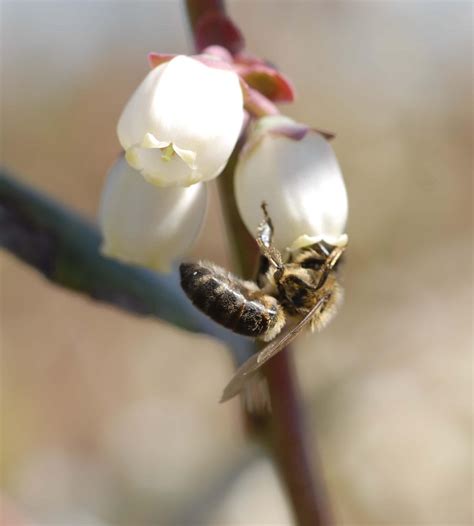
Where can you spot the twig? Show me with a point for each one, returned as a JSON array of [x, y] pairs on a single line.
[[196, 8], [64, 248], [289, 445]]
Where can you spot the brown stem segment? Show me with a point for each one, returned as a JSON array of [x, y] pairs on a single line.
[[197, 8], [243, 245], [283, 431], [288, 443]]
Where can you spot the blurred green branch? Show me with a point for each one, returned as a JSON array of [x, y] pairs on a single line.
[[64, 248]]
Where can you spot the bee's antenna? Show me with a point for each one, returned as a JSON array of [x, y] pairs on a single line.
[[329, 264], [264, 239], [264, 207]]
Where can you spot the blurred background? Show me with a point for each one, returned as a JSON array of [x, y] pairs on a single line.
[[112, 419]]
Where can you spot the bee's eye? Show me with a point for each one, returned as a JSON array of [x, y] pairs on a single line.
[[313, 263], [278, 274]]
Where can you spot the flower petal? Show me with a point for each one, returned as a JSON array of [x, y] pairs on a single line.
[[197, 108], [301, 182], [147, 225]]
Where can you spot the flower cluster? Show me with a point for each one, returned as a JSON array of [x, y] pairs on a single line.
[[178, 131]]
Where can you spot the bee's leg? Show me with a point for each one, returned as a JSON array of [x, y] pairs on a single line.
[[329, 264], [321, 248], [264, 240]]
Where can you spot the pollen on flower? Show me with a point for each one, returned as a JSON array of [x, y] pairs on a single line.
[[132, 158], [167, 153]]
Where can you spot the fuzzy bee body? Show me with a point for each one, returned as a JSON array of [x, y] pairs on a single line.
[[300, 291], [234, 303], [262, 311]]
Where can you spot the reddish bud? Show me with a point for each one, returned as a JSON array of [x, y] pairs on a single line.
[[268, 81], [214, 28], [256, 103]]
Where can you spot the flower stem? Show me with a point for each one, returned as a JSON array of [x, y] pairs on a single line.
[[282, 432], [289, 445], [197, 8]]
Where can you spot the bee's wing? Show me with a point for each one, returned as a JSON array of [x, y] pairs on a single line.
[[239, 379], [249, 367]]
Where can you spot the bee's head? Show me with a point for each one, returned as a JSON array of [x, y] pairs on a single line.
[[316, 256], [309, 258]]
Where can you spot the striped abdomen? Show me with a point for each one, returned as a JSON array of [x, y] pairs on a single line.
[[231, 301]]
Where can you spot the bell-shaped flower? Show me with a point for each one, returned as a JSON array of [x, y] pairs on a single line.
[[147, 225], [294, 170], [181, 124]]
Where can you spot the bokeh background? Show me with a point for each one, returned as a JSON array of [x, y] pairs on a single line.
[[113, 419]]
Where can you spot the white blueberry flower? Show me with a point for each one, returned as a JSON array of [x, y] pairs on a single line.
[[295, 171], [147, 225], [181, 124]]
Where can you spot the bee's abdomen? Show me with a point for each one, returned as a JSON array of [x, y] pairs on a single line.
[[225, 299]]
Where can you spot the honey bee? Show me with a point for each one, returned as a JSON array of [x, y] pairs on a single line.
[[303, 290]]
